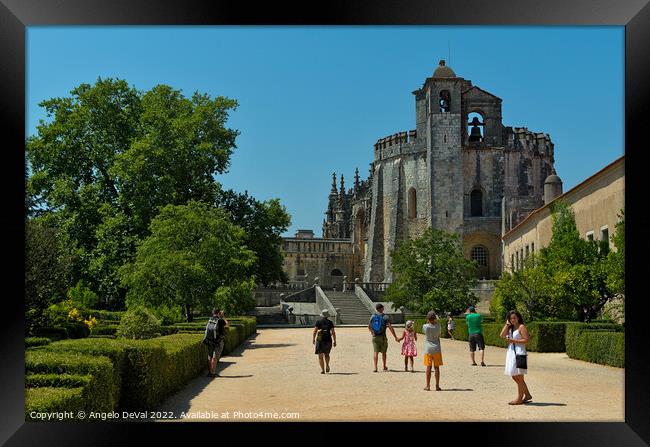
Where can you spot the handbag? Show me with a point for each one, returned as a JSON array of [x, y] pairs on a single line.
[[521, 360]]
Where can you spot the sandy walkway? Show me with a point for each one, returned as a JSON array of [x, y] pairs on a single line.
[[277, 372]]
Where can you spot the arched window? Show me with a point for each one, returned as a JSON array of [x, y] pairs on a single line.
[[413, 204], [336, 272], [445, 101], [475, 125], [476, 203]]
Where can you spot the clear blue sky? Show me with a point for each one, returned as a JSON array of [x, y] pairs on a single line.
[[314, 100]]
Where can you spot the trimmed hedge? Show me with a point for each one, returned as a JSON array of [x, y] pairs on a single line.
[[104, 330], [99, 392], [53, 333], [545, 336], [36, 341], [597, 343], [138, 374], [50, 400]]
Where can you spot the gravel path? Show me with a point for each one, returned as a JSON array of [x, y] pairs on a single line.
[[276, 371]]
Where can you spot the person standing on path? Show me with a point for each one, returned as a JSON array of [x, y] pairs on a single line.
[[377, 327], [409, 348], [214, 339], [324, 337], [474, 329], [432, 351], [451, 325], [516, 334]]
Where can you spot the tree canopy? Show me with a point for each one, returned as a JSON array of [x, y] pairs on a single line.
[[193, 252], [431, 272], [110, 157], [571, 278]]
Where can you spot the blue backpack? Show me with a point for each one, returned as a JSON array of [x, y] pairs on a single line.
[[377, 324]]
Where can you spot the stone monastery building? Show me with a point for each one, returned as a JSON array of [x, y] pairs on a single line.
[[460, 170]]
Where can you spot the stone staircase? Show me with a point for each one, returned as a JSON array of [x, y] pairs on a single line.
[[269, 315], [352, 309]]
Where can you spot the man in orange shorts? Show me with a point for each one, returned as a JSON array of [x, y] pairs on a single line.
[[432, 352]]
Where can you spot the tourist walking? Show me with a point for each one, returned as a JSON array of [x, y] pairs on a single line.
[[324, 337], [215, 332], [377, 327], [516, 334], [409, 348], [451, 325], [475, 331], [432, 351]]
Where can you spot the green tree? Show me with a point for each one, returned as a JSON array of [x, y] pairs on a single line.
[[47, 270], [576, 267], [110, 157], [264, 222], [616, 259], [193, 250], [432, 273]]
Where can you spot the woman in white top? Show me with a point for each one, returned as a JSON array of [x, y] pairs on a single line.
[[517, 335]]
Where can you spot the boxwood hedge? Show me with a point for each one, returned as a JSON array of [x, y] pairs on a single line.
[[50, 400], [597, 343], [69, 370]]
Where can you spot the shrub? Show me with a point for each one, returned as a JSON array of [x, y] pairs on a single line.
[[57, 380], [77, 330], [104, 330], [36, 341], [82, 296], [53, 333], [597, 343], [138, 323], [100, 393], [50, 400], [169, 314]]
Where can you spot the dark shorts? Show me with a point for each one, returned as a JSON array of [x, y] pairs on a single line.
[[215, 349], [474, 340], [380, 343], [323, 347]]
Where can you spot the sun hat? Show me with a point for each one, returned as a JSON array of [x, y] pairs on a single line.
[[409, 323], [431, 315], [325, 313]]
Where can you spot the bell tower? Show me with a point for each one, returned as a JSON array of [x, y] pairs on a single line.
[[444, 124]]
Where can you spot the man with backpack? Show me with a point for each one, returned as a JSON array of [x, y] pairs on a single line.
[[214, 339], [323, 338], [377, 327]]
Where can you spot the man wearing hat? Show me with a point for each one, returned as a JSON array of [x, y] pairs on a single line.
[[323, 338], [377, 327], [474, 329]]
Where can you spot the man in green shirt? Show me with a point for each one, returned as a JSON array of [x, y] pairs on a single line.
[[475, 332]]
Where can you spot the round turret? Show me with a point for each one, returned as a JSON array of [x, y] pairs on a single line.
[[552, 188]]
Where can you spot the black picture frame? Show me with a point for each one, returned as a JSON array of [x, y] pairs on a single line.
[[15, 15]]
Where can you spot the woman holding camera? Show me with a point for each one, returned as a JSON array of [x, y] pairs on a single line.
[[516, 334]]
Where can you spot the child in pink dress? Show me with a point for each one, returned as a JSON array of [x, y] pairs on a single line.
[[409, 349]]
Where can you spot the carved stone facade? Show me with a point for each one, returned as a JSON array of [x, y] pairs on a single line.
[[460, 170]]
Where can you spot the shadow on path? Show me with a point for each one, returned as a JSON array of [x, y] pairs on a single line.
[[544, 404], [457, 389], [342, 374]]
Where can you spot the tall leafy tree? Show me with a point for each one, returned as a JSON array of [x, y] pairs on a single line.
[[432, 273], [264, 222], [110, 157], [193, 252]]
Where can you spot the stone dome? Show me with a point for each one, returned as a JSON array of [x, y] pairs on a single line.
[[552, 179], [443, 71]]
